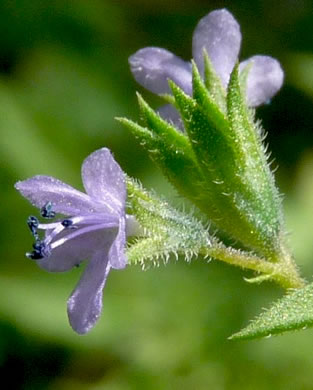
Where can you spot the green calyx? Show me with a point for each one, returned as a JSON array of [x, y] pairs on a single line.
[[219, 162], [168, 232]]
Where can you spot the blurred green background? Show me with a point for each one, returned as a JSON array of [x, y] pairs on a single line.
[[64, 77]]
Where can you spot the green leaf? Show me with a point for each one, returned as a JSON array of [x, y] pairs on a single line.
[[292, 312]]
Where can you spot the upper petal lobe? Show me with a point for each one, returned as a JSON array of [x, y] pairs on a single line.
[[104, 180], [219, 34], [265, 78], [152, 67], [65, 199]]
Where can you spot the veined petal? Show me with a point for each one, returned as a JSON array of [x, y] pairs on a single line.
[[117, 255], [104, 180], [85, 304], [65, 199], [171, 115], [81, 247], [265, 78], [219, 34], [152, 67]]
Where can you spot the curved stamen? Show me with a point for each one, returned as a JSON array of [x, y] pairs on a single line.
[[93, 219], [33, 225], [48, 226], [81, 231], [54, 232], [80, 220], [43, 248]]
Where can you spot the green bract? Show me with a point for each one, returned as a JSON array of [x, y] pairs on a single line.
[[219, 162]]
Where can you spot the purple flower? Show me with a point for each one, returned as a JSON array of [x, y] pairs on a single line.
[[94, 229], [219, 34]]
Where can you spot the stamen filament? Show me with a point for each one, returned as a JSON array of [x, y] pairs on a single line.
[[78, 232], [47, 226], [94, 219]]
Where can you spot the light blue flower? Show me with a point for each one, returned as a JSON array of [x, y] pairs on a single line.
[[94, 229], [219, 34]]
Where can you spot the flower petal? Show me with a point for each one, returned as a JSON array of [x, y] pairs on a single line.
[[65, 199], [152, 67], [73, 251], [104, 180], [85, 303], [265, 78], [171, 115], [117, 255], [219, 34]]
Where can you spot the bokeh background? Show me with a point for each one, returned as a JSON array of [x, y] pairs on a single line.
[[63, 78]]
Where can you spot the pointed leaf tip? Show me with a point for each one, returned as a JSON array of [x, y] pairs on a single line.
[[292, 312]]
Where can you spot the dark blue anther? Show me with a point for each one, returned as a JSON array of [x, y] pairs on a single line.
[[40, 251], [34, 255], [67, 223], [33, 223], [46, 211], [42, 248]]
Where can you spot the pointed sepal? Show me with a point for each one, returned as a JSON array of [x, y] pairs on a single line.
[[213, 83], [166, 231], [219, 154], [256, 184], [171, 151]]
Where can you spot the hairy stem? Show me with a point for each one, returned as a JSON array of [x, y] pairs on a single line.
[[283, 272]]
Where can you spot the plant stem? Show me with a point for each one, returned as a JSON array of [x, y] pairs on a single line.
[[283, 272]]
